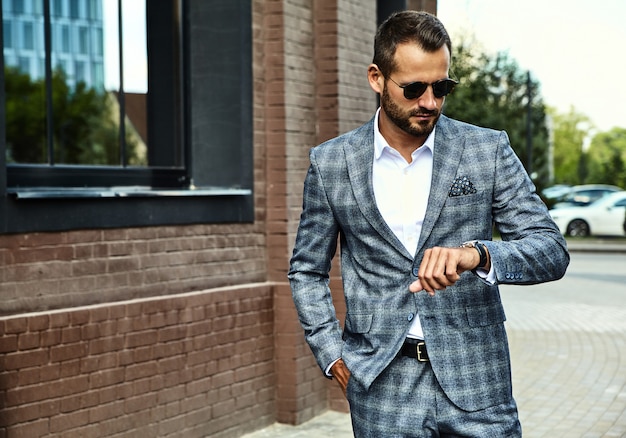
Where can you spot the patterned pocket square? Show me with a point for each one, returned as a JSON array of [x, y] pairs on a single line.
[[461, 186]]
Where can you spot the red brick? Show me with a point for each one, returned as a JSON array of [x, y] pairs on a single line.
[[104, 345], [106, 411], [18, 414], [63, 422], [38, 323], [50, 337], [29, 430], [25, 359], [16, 325], [70, 334], [145, 337], [106, 378], [8, 343], [142, 370], [27, 341], [59, 320], [97, 363], [140, 403], [26, 394], [66, 352], [68, 386]]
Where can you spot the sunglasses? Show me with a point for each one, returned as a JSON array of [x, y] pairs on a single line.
[[416, 89]]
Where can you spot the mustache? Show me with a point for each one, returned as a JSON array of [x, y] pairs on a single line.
[[424, 113]]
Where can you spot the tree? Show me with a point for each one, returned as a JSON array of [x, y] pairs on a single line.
[[492, 92], [85, 130], [606, 158], [570, 130]]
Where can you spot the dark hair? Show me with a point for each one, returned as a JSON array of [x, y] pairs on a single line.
[[417, 27]]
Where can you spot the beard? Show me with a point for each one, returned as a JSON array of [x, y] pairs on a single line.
[[402, 120]]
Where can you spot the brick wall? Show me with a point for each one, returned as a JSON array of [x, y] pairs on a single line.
[[191, 331], [323, 92], [193, 365], [42, 271]]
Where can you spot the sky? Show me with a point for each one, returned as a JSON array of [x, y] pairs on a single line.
[[575, 49], [134, 35]]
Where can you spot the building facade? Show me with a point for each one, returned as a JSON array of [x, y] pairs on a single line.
[[76, 38], [153, 300]]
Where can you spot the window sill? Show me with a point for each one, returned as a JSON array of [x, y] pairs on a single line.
[[121, 192]]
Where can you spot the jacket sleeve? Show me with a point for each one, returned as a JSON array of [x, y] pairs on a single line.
[[532, 249], [315, 246]]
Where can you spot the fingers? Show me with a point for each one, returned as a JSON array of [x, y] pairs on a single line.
[[439, 269], [416, 286], [341, 373]]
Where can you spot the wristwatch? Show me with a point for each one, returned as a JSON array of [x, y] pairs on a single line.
[[482, 251]]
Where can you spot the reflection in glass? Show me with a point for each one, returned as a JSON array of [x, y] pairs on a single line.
[[71, 115]]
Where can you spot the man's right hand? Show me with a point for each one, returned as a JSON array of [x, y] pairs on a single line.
[[341, 373]]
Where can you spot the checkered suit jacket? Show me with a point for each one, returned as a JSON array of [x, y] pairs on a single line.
[[477, 182]]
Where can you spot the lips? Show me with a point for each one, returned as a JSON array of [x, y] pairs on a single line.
[[422, 115]]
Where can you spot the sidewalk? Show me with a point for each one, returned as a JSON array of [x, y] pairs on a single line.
[[597, 245], [568, 353]]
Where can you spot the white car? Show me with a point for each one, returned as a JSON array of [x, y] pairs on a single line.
[[604, 217]]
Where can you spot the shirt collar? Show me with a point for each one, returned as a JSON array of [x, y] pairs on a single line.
[[380, 144]]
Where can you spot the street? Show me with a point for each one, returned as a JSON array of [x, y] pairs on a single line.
[[568, 348]]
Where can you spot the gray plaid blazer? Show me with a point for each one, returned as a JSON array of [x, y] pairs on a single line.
[[477, 182]]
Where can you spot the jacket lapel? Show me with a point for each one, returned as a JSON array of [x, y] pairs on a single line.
[[359, 152], [446, 158]]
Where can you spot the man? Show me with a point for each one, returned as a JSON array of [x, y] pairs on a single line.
[[413, 196]]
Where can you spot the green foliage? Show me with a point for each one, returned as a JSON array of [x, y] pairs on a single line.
[[493, 93], [85, 130], [606, 158], [25, 118], [569, 132]]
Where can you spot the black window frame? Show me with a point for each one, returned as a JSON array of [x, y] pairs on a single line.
[[210, 92]]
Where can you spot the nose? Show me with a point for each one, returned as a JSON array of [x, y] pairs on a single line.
[[428, 99]]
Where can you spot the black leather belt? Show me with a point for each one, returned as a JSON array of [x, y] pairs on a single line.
[[415, 348]]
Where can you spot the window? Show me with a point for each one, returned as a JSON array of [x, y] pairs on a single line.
[[29, 43], [126, 128], [7, 33]]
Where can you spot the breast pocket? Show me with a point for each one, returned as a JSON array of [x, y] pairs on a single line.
[[466, 201]]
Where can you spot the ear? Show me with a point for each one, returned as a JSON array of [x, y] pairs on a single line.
[[375, 78]]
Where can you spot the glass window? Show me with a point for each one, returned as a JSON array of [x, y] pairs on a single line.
[[29, 40], [65, 39], [7, 33], [24, 64], [74, 9], [18, 6], [95, 81], [57, 8], [119, 112], [83, 40], [79, 72]]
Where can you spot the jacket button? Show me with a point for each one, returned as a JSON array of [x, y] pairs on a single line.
[[415, 271], [410, 317]]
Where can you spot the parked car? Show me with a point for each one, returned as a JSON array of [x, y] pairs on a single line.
[[585, 194], [604, 217], [556, 191]]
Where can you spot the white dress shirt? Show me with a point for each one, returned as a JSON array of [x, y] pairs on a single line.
[[401, 190]]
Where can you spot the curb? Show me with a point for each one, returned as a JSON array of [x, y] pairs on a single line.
[[597, 246]]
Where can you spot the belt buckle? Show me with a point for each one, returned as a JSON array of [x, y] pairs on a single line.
[[420, 352]]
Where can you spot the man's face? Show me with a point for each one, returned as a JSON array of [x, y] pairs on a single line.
[[416, 117]]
